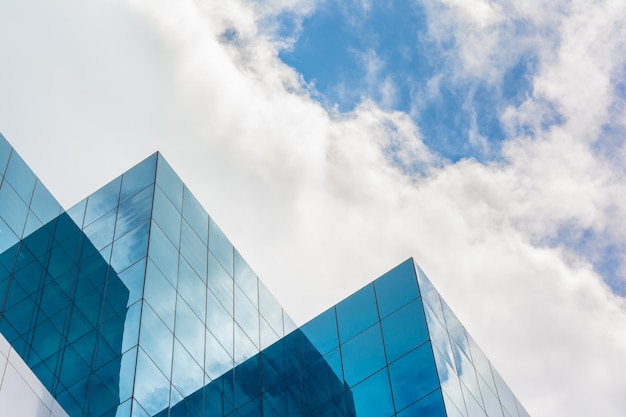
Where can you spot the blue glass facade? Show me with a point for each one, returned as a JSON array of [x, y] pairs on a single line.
[[134, 303]]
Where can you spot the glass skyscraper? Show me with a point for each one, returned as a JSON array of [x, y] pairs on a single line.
[[134, 303]]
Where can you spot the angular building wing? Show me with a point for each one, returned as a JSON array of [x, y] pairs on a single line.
[[134, 303]]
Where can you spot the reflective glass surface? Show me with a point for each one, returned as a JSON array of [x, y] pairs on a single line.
[[135, 303]]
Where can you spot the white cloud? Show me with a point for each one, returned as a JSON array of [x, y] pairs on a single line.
[[320, 203]]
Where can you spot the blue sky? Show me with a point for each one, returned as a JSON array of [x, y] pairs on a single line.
[[350, 54]]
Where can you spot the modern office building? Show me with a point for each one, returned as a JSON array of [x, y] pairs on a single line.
[[134, 303]]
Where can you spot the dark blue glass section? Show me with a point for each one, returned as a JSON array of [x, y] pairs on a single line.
[[12, 210], [404, 330], [357, 312], [429, 406], [322, 331], [396, 288], [372, 397], [363, 355], [413, 376]]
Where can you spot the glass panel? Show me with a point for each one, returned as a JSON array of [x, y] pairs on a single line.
[[356, 313], [170, 183], [192, 248], [160, 294], [5, 152], [413, 376], [187, 375], [363, 355], [322, 331], [192, 288], [100, 232], [270, 309], [220, 322], [372, 397], [244, 348], [44, 205], [103, 201], [506, 396], [77, 212], [247, 316], [190, 331], [166, 216], [20, 177], [7, 237], [130, 248], [133, 279], [138, 177], [217, 360], [220, 284], [220, 247], [12, 210], [134, 212], [156, 339], [152, 388], [163, 253], [246, 279], [404, 330], [429, 293], [268, 336], [396, 288], [429, 406], [473, 408], [196, 216]]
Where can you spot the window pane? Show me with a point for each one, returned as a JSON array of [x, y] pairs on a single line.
[[220, 247], [413, 376], [170, 183], [404, 330], [396, 288], [138, 178], [356, 313], [363, 355], [372, 397]]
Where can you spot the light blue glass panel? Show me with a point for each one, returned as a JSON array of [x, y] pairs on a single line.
[[163, 253], [44, 205], [194, 250], [449, 381], [32, 224], [152, 388], [244, 348], [396, 288], [100, 232], [217, 360], [247, 316], [246, 279], [438, 335], [166, 216], [520, 409], [131, 326], [138, 177], [7, 237], [466, 372], [5, 152], [288, 324], [220, 323], [404, 329], [160, 294], [12, 210], [481, 363], [156, 339], [133, 279], [356, 313], [490, 399], [130, 248], [372, 397], [190, 331], [429, 406], [363, 355], [267, 334], [220, 247], [413, 376], [504, 393], [187, 375], [192, 288], [77, 212], [196, 216], [103, 201], [20, 176], [322, 331], [451, 408], [169, 182], [429, 293], [474, 409], [220, 284], [133, 212], [270, 309]]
